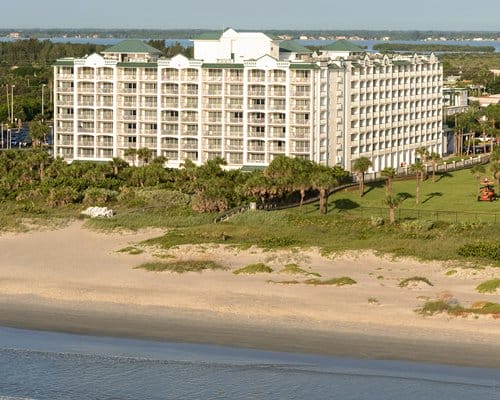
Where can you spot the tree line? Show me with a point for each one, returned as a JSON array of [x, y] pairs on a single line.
[[34, 177]]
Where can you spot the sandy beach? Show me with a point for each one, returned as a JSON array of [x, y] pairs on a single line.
[[75, 280]]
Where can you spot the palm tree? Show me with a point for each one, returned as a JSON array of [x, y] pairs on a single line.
[[434, 157], [117, 163], [495, 164], [478, 171], [389, 173], [322, 179], [131, 152], [423, 154], [144, 155], [301, 180], [361, 166], [393, 203], [419, 168], [38, 132]]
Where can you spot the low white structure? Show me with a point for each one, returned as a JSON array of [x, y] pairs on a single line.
[[98, 212]]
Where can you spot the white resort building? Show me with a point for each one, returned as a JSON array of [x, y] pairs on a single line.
[[247, 97]]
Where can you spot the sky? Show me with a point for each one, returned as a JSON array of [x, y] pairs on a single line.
[[457, 15]]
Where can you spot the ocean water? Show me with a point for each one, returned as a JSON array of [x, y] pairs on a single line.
[[47, 365]]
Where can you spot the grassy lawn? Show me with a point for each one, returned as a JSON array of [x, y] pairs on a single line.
[[455, 192]]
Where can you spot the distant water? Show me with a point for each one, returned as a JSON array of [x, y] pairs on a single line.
[[367, 43], [45, 365], [370, 43]]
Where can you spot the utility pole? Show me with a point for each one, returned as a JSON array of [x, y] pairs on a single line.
[[12, 103], [8, 102]]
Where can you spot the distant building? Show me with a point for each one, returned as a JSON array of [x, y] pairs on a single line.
[[455, 100], [248, 97], [485, 101]]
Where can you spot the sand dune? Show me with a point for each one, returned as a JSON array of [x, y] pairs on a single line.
[[75, 279]]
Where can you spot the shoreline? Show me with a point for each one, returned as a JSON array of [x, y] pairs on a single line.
[[76, 280], [184, 326]]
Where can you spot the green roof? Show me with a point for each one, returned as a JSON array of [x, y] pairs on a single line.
[[223, 65], [132, 46], [291, 46], [137, 65], [343, 45], [64, 62], [216, 35], [209, 36], [303, 66]]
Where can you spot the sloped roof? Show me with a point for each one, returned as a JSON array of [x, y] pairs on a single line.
[[216, 35], [132, 46], [209, 36], [343, 45], [291, 46]]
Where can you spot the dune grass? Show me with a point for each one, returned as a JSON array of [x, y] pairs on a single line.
[[344, 280], [181, 266], [441, 306], [490, 286], [259, 268], [414, 279], [294, 269], [132, 250]]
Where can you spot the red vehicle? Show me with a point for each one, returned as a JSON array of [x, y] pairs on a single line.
[[486, 191]]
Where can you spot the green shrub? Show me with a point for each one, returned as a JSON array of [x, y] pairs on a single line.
[[182, 266], [98, 196], [414, 279], [417, 225], [254, 269], [294, 269], [490, 286], [277, 242], [344, 280], [132, 250], [486, 250]]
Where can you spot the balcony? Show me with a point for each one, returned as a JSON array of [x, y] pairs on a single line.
[[105, 77], [86, 116], [213, 93], [127, 77], [86, 89], [257, 92], [87, 143], [189, 146]]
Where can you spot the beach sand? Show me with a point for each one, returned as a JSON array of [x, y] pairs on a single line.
[[75, 280]]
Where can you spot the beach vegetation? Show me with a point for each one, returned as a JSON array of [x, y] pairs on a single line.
[[258, 268], [414, 280], [290, 282], [294, 269], [484, 249], [452, 308], [132, 250], [491, 286], [373, 300], [451, 272], [182, 266], [342, 281]]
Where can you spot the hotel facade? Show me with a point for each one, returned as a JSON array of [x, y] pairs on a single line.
[[247, 98]]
